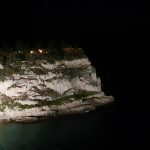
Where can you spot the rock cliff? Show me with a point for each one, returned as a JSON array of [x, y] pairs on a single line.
[[31, 90]]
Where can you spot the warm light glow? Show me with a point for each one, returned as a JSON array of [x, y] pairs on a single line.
[[31, 52], [41, 51]]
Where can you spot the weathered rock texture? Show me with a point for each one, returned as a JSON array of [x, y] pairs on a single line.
[[39, 89]]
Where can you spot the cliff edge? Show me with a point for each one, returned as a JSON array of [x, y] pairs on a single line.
[[37, 88]]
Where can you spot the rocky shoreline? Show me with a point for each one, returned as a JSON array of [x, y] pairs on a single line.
[[77, 108]]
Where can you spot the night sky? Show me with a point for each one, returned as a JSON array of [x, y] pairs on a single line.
[[70, 20]]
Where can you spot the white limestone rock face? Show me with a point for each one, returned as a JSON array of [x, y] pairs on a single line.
[[1, 66], [44, 89]]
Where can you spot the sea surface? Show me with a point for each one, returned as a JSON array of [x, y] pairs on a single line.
[[81, 131]]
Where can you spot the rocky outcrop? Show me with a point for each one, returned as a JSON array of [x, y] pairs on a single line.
[[39, 89]]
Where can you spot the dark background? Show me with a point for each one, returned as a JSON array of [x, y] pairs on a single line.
[[115, 36], [72, 20]]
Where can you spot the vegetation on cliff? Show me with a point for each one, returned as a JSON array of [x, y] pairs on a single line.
[[36, 81]]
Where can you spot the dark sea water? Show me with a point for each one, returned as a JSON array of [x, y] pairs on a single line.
[[84, 131]]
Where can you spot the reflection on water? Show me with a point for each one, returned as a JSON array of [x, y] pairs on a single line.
[[68, 132]]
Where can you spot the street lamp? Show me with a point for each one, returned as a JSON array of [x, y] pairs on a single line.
[[40, 50], [31, 52]]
